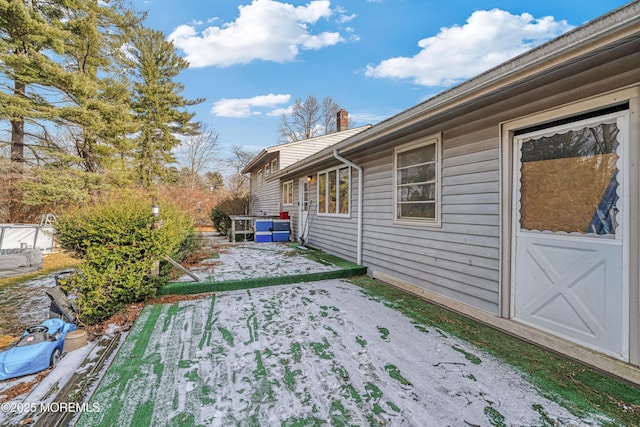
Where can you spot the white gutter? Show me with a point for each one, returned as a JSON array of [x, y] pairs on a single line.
[[360, 207]]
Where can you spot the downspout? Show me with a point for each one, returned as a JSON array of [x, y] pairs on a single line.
[[360, 207]]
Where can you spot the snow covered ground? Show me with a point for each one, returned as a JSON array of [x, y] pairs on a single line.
[[251, 260], [307, 354], [24, 305]]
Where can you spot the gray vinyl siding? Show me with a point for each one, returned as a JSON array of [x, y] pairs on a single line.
[[265, 198], [336, 235], [460, 259]]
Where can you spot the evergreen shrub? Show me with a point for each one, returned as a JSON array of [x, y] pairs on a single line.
[[120, 248], [232, 205]]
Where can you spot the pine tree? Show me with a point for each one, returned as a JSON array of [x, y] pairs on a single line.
[[30, 33], [97, 92], [158, 104]]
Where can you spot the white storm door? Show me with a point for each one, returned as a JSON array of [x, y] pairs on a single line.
[[569, 232], [303, 210]]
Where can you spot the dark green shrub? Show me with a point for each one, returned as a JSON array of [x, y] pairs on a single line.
[[221, 221], [231, 205], [120, 248]]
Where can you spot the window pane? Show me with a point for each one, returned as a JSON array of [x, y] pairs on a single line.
[[322, 193], [305, 196], [416, 174], [418, 155], [287, 193], [332, 185], [569, 181], [415, 193], [344, 191], [417, 210]]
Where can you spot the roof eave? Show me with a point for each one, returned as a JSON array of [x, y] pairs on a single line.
[[615, 25]]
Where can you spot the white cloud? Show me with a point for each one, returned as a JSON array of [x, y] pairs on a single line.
[[247, 107], [280, 111], [342, 15], [458, 53], [264, 30]]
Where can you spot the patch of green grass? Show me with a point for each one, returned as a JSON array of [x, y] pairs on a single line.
[[580, 389], [208, 326], [321, 349], [303, 422], [226, 335], [394, 373], [326, 259], [290, 377], [339, 415], [143, 414], [495, 418], [470, 357], [544, 417], [384, 333], [188, 288], [296, 351], [183, 420], [126, 367]]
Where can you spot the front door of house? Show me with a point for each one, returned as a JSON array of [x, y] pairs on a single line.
[[303, 210], [569, 231]]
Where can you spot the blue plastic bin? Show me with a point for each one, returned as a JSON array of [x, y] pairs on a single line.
[[280, 236], [264, 225], [263, 236], [281, 225]]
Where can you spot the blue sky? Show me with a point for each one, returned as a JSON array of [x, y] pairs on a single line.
[[375, 58]]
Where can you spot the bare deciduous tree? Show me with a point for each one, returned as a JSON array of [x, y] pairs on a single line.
[[198, 152], [238, 183], [308, 119]]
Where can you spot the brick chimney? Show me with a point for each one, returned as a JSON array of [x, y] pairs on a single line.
[[342, 122]]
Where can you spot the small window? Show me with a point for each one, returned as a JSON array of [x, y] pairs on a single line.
[[334, 191], [267, 170], [274, 166], [417, 181], [322, 193], [287, 193], [260, 177]]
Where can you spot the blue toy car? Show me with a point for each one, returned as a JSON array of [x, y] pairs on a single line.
[[39, 348]]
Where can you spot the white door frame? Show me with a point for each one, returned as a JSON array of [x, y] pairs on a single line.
[[304, 205], [509, 227]]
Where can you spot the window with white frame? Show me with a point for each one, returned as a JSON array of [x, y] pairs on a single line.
[[267, 170], [334, 191], [274, 165], [259, 177], [287, 193], [417, 181]]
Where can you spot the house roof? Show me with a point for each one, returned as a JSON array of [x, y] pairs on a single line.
[[324, 140], [601, 38]]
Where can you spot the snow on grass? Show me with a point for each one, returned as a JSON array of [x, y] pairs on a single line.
[[25, 304], [307, 354], [257, 260]]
